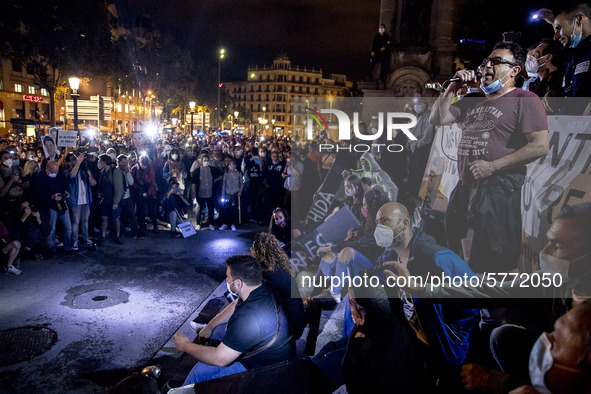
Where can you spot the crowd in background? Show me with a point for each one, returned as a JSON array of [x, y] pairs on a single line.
[[118, 189]]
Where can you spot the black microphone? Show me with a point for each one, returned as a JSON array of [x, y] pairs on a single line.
[[478, 75]]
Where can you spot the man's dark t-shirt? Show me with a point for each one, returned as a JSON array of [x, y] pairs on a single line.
[[495, 128], [253, 324]]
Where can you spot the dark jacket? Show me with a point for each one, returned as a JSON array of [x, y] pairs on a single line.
[[447, 326], [215, 174], [47, 187]]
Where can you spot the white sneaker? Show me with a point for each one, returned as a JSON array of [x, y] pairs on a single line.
[[233, 228], [196, 326], [13, 270], [75, 247], [224, 226], [211, 228], [198, 227]]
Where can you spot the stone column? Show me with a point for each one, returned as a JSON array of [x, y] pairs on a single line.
[[442, 14]]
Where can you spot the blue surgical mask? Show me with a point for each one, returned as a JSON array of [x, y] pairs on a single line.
[[540, 362], [495, 86], [418, 109], [52, 175], [575, 39]]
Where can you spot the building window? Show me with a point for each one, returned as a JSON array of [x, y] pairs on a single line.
[[32, 90], [118, 107], [126, 108], [44, 92], [18, 88], [17, 66]]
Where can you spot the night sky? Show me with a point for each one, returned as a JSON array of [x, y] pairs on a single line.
[[332, 34]]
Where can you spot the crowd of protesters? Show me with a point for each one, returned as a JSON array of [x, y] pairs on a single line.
[[117, 189]]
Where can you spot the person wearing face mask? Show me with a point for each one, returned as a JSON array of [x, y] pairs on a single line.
[[379, 53], [442, 330], [206, 189], [573, 28], [545, 61], [255, 334], [110, 194], [280, 225], [419, 150], [560, 362], [501, 134], [173, 168], [80, 181], [50, 193], [232, 185], [145, 190], [12, 186], [273, 182]]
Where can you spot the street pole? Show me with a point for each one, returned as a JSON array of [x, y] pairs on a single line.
[[192, 107], [222, 52], [74, 85]]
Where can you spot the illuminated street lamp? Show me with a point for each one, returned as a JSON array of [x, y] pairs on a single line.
[[150, 97], [192, 106], [74, 85], [222, 53], [274, 132]]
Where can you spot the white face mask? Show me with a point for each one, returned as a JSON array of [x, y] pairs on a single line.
[[8, 163], [113, 156], [175, 157], [384, 235], [381, 30], [531, 66], [349, 191], [540, 362], [205, 164], [554, 265], [229, 287]]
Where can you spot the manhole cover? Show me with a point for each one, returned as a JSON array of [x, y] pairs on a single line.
[[24, 343], [99, 299]]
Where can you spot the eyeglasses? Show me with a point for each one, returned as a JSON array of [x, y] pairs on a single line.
[[495, 61]]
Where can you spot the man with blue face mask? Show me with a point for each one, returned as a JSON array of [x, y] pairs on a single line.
[[502, 131]]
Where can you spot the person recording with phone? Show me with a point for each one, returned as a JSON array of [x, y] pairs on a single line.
[[502, 130], [12, 185]]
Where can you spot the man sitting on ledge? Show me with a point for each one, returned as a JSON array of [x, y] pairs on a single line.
[[256, 334]]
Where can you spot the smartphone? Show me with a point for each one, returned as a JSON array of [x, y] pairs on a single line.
[[512, 36]]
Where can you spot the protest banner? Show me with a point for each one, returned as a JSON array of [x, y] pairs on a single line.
[[561, 178]]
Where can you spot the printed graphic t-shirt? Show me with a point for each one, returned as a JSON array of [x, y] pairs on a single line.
[[495, 128]]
